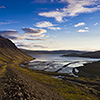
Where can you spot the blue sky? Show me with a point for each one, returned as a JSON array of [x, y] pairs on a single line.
[[51, 24]]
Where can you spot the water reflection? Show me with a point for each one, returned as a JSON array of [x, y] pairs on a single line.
[[54, 62]]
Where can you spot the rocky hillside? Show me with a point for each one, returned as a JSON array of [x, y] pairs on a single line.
[[9, 52]]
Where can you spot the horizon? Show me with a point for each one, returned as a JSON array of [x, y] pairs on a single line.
[[51, 24], [60, 50]]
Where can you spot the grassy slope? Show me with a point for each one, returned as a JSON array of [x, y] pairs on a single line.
[[90, 70], [66, 89]]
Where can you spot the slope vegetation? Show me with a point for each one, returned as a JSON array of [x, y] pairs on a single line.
[[9, 52]]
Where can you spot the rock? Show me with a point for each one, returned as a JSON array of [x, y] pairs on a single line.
[[19, 88], [20, 94]]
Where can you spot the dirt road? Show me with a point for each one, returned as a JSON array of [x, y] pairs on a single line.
[[15, 85]]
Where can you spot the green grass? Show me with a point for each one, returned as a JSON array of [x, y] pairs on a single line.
[[66, 89], [3, 70]]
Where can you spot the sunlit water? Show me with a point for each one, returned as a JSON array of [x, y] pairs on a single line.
[[54, 62]]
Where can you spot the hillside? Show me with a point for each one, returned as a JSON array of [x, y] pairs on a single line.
[[95, 54], [9, 52]]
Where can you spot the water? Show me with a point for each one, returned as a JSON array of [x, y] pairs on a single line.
[[57, 57], [54, 62]]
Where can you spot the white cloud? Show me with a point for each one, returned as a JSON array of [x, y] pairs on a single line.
[[39, 39], [96, 24], [81, 30], [74, 8], [33, 31], [40, 35], [54, 28], [2, 7], [79, 24], [7, 33], [47, 24], [42, 1], [51, 0], [44, 24], [58, 15], [86, 28], [8, 22], [29, 45], [39, 1], [3, 23]]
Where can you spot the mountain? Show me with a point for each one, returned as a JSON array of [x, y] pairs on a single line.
[[9, 52], [52, 52], [95, 54]]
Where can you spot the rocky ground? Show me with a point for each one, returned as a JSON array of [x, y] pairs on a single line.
[[17, 86]]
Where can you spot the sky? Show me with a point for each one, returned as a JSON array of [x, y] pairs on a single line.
[[51, 24]]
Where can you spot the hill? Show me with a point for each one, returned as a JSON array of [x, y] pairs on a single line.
[[95, 54], [52, 52], [9, 52]]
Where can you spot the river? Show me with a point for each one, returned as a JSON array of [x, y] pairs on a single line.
[[56, 63]]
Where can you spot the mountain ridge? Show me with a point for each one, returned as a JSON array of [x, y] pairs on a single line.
[[9, 52], [51, 52]]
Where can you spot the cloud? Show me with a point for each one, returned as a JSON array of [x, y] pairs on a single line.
[[7, 33], [18, 37], [86, 28], [79, 24], [35, 39], [2, 7], [40, 1], [54, 28], [96, 24], [52, 1], [73, 8], [33, 31], [15, 38], [58, 15], [29, 46], [43, 1], [23, 37], [44, 24], [9, 22], [76, 7], [47, 24], [40, 46], [81, 30], [14, 35], [2, 23], [40, 35]]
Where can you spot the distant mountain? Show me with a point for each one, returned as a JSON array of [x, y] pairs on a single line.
[[9, 52], [53, 52], [95, 54]]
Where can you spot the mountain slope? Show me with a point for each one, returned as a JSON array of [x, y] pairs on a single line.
[[9, 52]]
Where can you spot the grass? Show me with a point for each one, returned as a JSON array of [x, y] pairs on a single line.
[[90, 70], [3, 70], [66, 89]]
